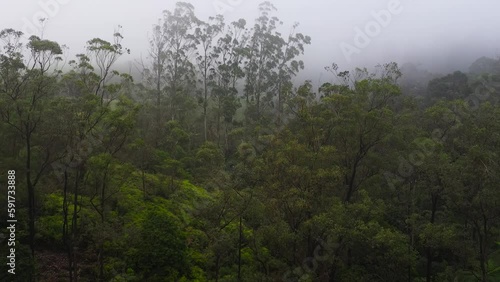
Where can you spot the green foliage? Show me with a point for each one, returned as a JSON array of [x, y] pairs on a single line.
[[217, 168], [450, 87], [163, 242]]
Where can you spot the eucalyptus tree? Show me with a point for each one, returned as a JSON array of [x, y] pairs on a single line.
[[359, 116], [272, 59], [261, 58], [473, 195], [206, 34], [178, 28], [289, 66], [227, 72], [28, 78], [154, 71], [87, 91], [362, 118], [271, 62], [104, 55]]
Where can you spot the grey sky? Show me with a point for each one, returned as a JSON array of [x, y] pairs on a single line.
[[440, 34]]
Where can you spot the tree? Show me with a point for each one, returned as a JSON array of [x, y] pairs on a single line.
[[165, 245], [260, 53], [452, 86], [104, 55], [178, 29], [227, 74], [288, 66], [26, 85], [474, 196], [206, 35]]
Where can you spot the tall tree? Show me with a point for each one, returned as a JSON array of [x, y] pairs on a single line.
[[206, 35], [104, 55], [178, 28], [28, 76], [261, 51], [228, 72]]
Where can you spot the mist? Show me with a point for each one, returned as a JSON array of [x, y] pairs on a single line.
[[314, 140], [438, 36]]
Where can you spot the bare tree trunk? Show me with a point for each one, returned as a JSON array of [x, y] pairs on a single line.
[[428, 251], [74, 222], [483, 256], [66, 239], [31, 201], [101, 243], [239, 250], [205, 101], [217, 268]]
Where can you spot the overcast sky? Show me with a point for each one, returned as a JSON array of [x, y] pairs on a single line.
[[441, 35]]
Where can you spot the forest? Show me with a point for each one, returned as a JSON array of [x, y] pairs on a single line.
[[217, 164]]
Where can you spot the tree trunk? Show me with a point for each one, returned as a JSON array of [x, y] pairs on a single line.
[[218, 123], [74, 222], [217, 267], [409, 212], [205, 100], [428, 250], [31, 198], [483, 254], [482, 259], [101, 243], [278, 122], [143, 179], [239, 250], [66, 239]]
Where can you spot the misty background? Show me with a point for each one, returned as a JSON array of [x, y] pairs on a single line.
[[438, 36]]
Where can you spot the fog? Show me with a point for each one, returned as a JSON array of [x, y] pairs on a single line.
[[440, 36]]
